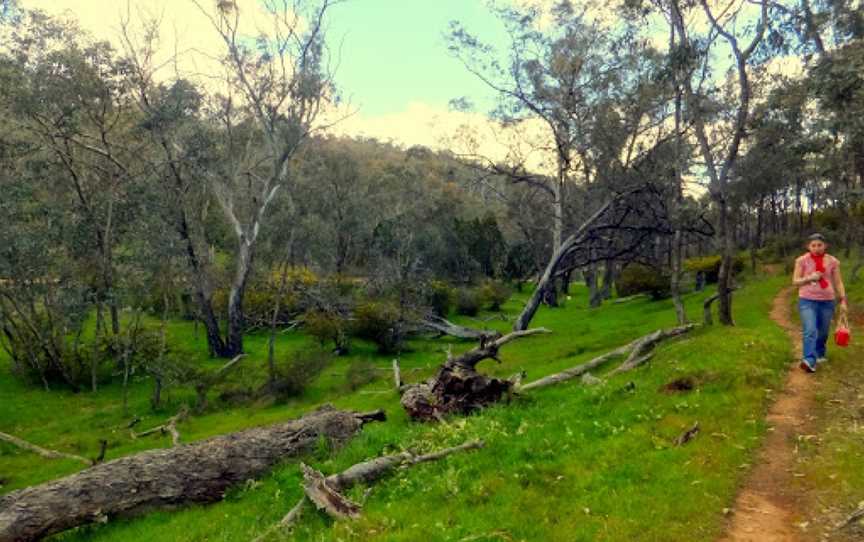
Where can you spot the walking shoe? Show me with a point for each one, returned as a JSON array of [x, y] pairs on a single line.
[[820, 361], [807, 366]]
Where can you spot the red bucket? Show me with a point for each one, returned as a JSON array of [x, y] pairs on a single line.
[[842, 336]]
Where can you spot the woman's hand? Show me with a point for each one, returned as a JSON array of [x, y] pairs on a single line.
[[815, 276]]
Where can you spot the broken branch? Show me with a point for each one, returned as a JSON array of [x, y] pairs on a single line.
[[326, 492], [44, 452], [638, 353]]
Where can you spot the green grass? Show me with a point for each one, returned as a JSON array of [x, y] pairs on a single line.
[[565, 463], [830, 469]]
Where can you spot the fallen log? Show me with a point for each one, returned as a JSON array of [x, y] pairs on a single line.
[[326, 491], [446, 327], [199, 472], [169, 427], [638, 352], [44, 452], [458, 387]]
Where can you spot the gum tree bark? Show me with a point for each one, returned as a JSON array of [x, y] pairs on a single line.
[[200, 472]]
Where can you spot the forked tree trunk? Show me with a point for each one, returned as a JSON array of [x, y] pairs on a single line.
[[236, 322], [200, 472]]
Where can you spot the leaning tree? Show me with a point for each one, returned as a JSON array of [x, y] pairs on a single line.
[[621, 229]]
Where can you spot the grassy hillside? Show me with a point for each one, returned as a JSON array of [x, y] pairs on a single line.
[[565, 463]]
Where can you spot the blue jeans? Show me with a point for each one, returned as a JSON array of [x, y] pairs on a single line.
[[816, 320]]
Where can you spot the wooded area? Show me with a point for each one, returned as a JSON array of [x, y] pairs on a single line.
[[682, 145]]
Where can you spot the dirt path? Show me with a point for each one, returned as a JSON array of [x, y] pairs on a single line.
[[765, 509]]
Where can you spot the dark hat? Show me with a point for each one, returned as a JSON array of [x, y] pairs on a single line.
[[816, 237]]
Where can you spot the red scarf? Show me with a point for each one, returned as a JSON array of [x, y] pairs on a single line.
[[819, 260]]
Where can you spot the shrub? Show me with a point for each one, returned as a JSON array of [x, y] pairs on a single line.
[[710, 266], [379, 322], [261, 296], [360, 373], [439, 296], [495, 293], [638, 279], [327, 327], [468, 301], [300, 370]]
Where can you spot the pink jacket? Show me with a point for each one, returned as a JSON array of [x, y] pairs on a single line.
[[812, 290]]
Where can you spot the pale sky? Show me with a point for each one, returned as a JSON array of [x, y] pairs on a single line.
[[393, 63]]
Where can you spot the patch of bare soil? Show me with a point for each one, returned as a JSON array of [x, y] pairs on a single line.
[[765, 509]]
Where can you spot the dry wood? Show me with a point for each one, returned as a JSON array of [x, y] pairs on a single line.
[[642, 347], [687, 435], [326, 492], [458, 387], [44, 452], [199, 472], [327, 498], [637, 350], [852, 518], [397, 375], [169, 427], [446, 327]]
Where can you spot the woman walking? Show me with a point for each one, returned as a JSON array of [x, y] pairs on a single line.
[[820, 286]]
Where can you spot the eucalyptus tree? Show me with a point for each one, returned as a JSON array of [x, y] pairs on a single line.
[[275, 90], [233, 141], [552, 76], [719, 139], [72, 99], [570, 77]]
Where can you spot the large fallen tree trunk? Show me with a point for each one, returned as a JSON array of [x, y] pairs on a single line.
[[458, 387], [200, 472]]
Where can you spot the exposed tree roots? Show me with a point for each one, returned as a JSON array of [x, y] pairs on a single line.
[[459, 388]]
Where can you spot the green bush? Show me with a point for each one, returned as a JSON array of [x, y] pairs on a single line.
[[328, 327], [468, 301], [261, 296], [439, 296], [301, 369], [379, 322], [639, 279], [360, 373], [710, 266], [495, 293]]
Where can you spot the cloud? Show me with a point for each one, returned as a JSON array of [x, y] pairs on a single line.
[[467, 133], [184, 31]]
